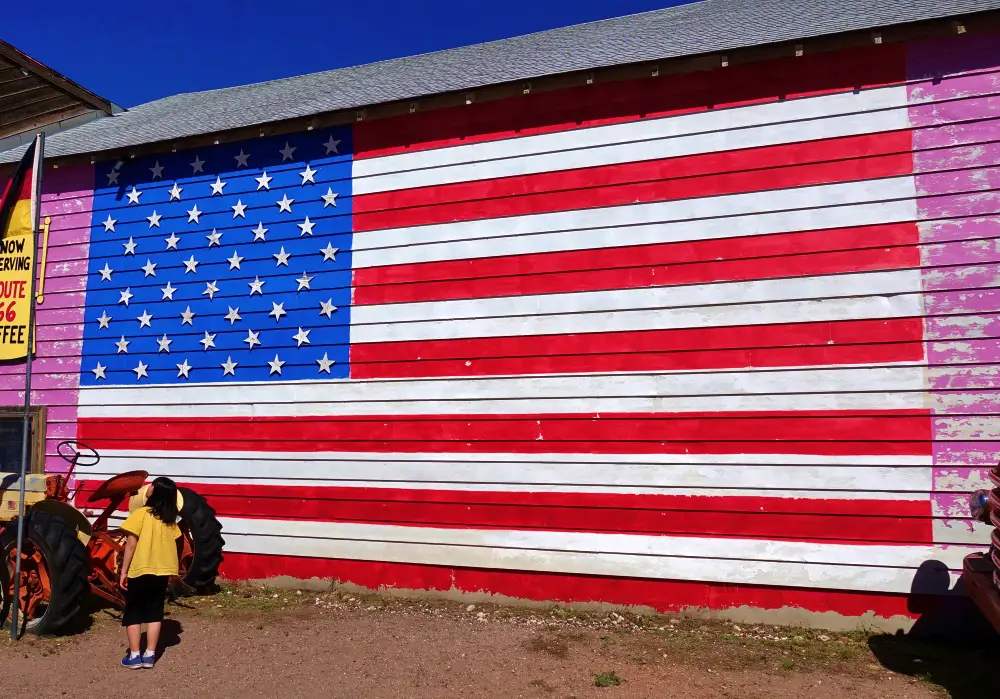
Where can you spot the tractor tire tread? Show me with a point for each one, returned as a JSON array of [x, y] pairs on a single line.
[[68, 565], [206, 533]]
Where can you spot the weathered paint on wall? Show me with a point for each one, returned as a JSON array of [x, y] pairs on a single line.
[[620, 203], [67, 199], [955, 111]]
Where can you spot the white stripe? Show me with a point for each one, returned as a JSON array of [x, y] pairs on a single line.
[[748, 561], [768, 475], [828, 116], [841, 388], [874, 295], [754, 213]]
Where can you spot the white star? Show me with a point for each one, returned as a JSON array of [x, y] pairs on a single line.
[[168, 292], [164, 343], [172, 241], [331, 146], [140, 371], [193, 214], [239, 209], [252, 338], [213, 238], [257, 286], [129, 246], [217, 186], [306, 227], [187, 317], [104, 320], [259, 231], [330, 198], [144, 320], [99, 371], [329, 252], [263, 182], [233, 315], [302, 336], [211, 289], [235, 260], [281, 257], [308, 175], [149, 268], [285, 204], [229, 366], [183, 369], [112, 177], [275, 366], [126, 296], [327, 308], [287, 152], [241, 159], [122, 345], [157, 170], [208, 340], [154, 219], [106, 273], [304, 282], [196, 166], [325, 363], [191, 265], [278, 310], [133, 196], [175, 192], [109, 224]]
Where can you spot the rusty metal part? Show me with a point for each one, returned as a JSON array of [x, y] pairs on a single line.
[[35, 589], [123, 484]]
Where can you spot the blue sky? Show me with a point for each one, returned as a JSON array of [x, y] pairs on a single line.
[[135, 51]]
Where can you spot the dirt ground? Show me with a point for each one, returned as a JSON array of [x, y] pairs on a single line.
[[248, 642]]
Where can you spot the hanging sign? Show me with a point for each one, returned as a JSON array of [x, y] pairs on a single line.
[[17, 253]]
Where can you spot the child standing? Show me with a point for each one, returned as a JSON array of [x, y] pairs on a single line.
[[150, 560]]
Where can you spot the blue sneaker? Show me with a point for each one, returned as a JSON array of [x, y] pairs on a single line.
[[148, 660], [132, 663]]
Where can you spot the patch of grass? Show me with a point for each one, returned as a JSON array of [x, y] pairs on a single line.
[[730, 637], [607, 679], [787, 664]]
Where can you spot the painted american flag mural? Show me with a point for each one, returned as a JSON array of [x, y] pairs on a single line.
[[578, 358]]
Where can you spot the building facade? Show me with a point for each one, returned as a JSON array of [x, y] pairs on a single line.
[[719, 341]]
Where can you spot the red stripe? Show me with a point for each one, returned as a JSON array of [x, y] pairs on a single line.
[[900, 432], [784, 255], [797, 344], [869, 156], [812, 519], [659, 595], [633, 100]]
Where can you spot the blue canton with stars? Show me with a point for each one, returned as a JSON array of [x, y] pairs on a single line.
[[225, 264]]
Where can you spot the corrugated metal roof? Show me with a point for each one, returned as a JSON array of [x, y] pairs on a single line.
[[700, 27]]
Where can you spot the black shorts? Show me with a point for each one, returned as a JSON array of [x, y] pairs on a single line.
[[144, 599]]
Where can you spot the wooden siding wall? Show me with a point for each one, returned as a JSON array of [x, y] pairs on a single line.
[[670, 525]]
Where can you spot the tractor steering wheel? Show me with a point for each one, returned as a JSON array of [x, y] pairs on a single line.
[[78, 453]]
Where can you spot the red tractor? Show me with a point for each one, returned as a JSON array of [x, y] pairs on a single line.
[[64, 553]]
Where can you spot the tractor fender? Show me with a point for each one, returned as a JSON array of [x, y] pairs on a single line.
[[68, 514]]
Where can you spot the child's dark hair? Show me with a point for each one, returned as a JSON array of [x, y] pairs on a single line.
[[162, 501]]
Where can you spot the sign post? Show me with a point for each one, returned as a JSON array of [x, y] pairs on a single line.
[[19, 224]]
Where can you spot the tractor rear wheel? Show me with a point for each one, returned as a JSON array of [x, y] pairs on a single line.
[[202, 553], [54, 572]]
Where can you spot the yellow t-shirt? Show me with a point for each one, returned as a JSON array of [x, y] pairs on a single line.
[[156, 550]]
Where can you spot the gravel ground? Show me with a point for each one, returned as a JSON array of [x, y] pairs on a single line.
[[252, 643]]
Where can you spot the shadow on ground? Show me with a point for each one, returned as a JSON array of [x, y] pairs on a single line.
[[951, 644]]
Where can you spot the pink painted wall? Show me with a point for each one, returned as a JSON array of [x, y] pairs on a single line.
[[956, 120], [67, 199]]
